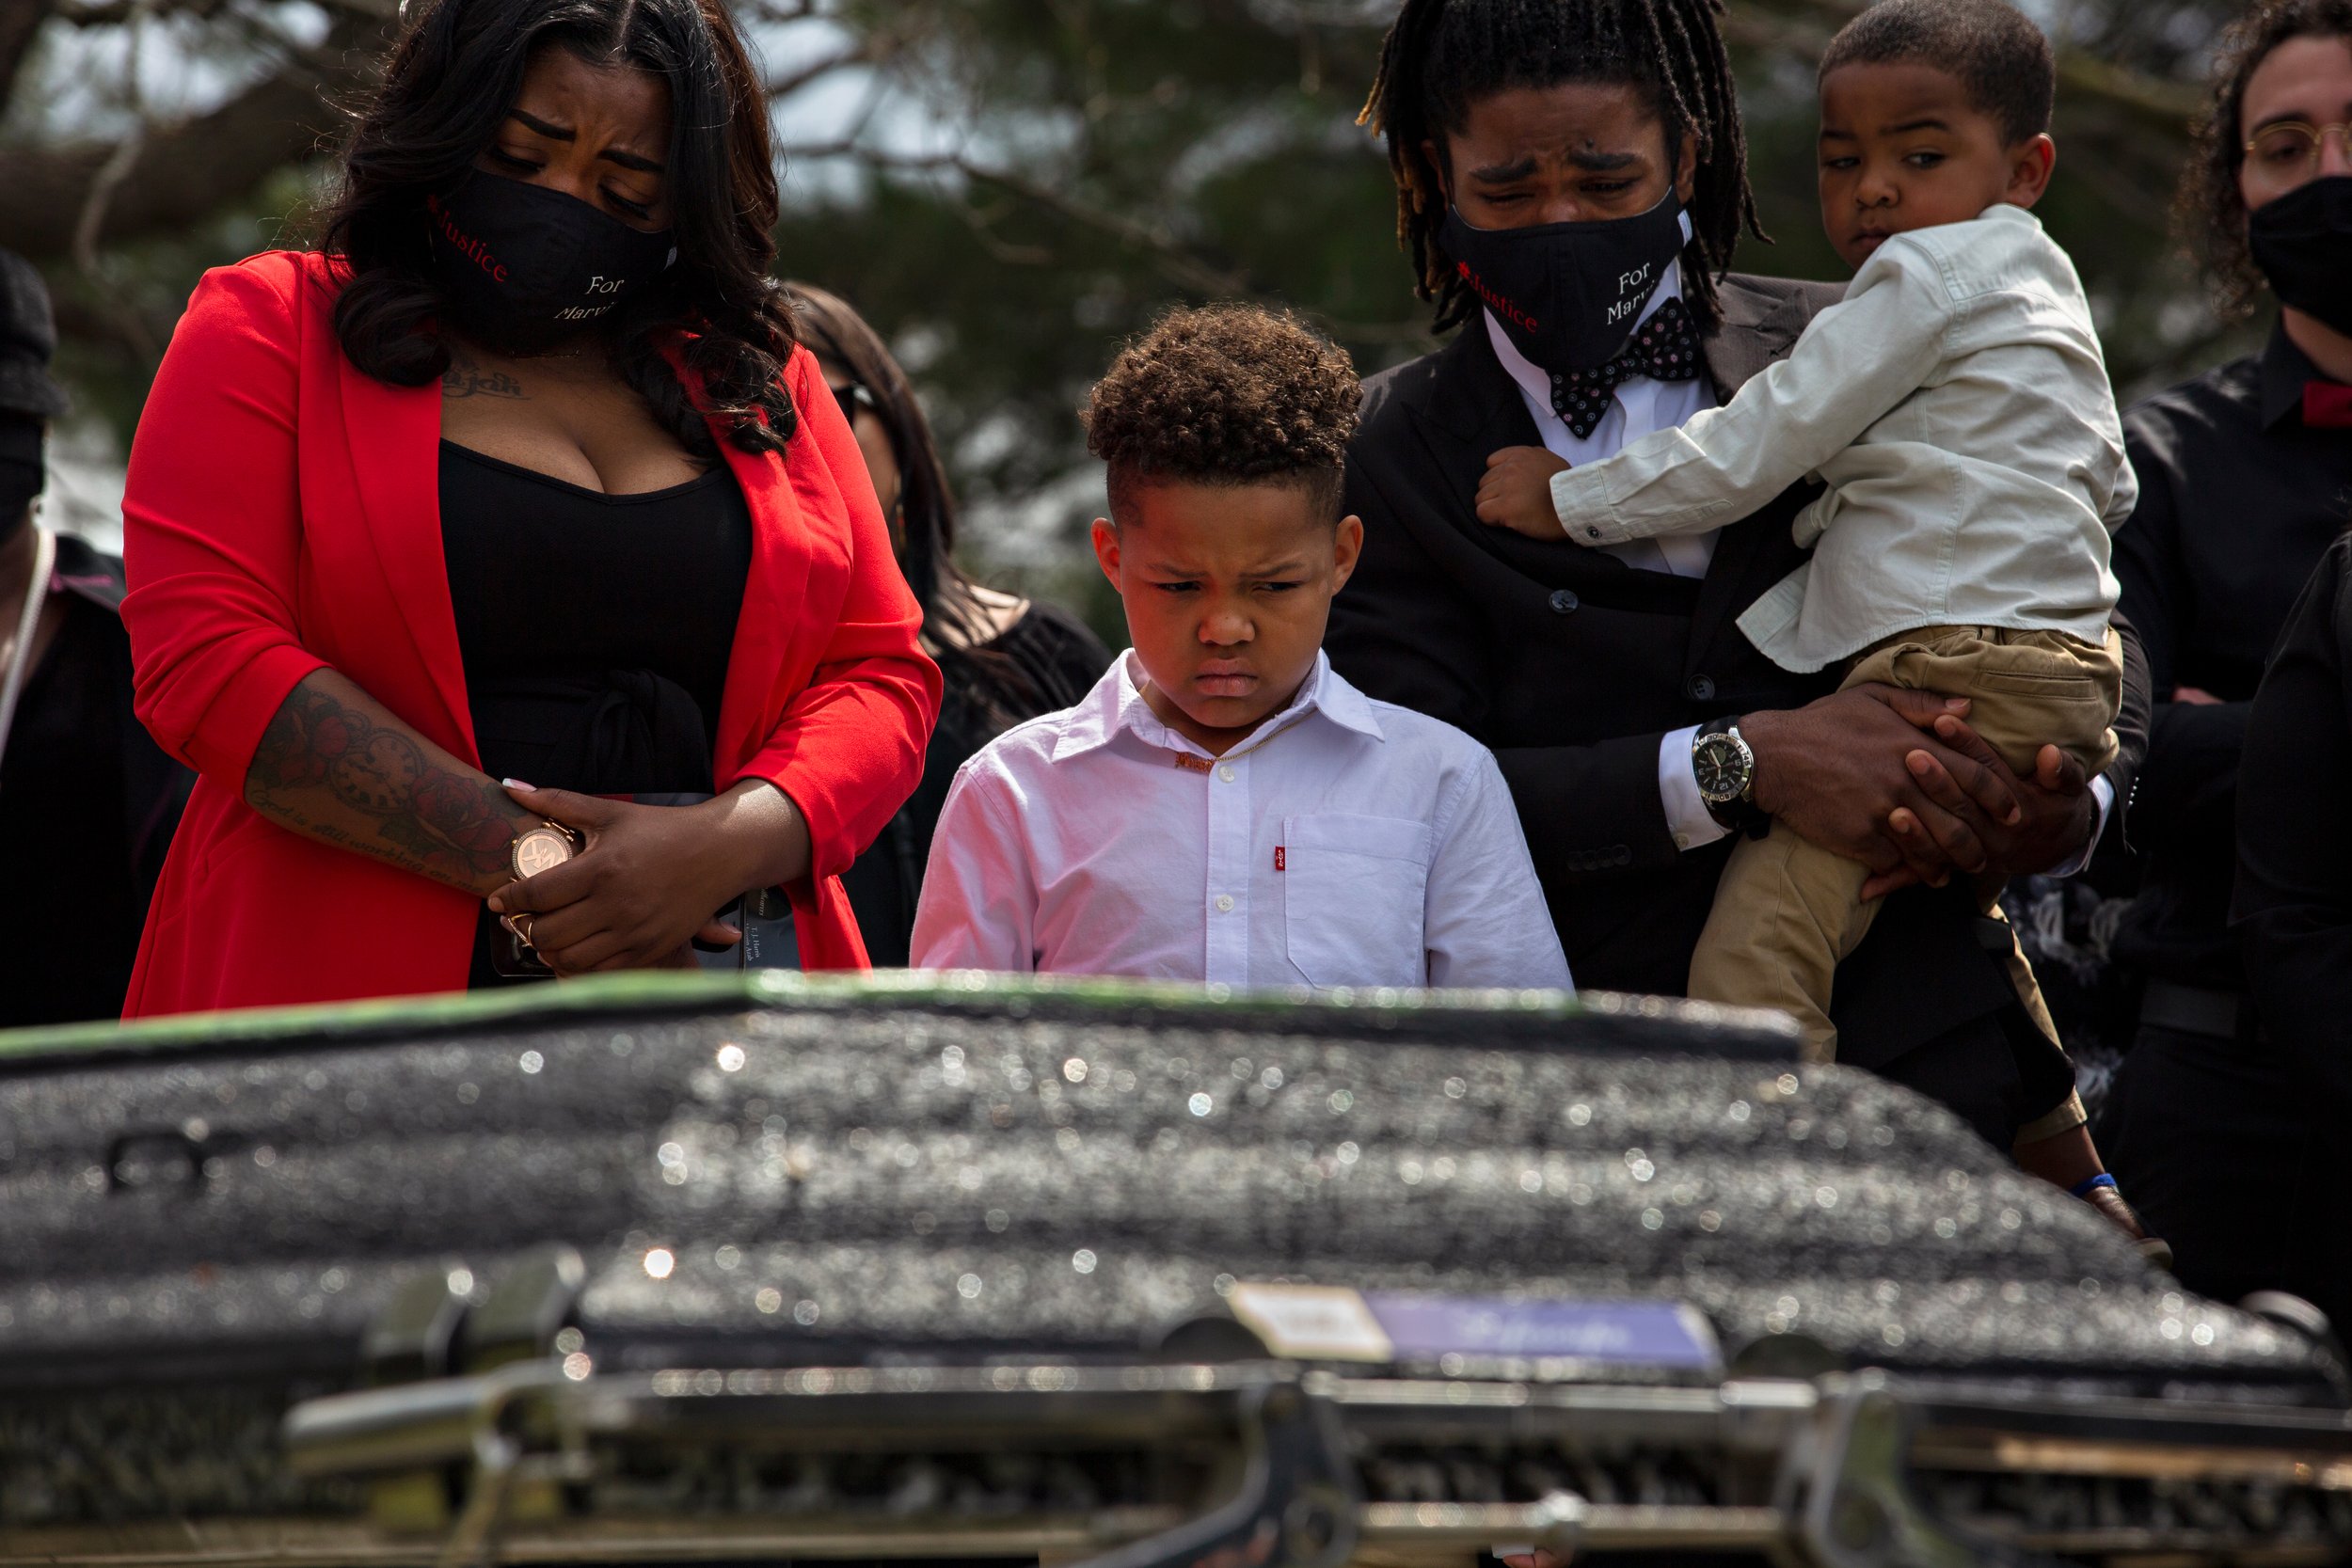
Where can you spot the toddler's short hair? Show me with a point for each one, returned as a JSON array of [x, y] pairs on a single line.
[[2001, 59], [1226, 394]]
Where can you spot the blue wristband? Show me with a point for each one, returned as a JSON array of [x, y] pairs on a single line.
[[2083, 1189]]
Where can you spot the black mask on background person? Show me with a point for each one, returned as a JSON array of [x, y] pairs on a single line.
[[22, 471], [2302, 242], [1568, 295], [524, 267]]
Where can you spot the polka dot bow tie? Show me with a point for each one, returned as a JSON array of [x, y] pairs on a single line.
[[1665, 349]]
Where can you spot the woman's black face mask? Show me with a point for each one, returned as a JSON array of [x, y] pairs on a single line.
[[525, 267], [2302, 242], [1568, 295]]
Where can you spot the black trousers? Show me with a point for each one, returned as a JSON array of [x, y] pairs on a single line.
[[2209, 1140], [1995, 1072]]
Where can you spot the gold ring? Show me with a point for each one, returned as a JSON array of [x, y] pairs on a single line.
[[522, 932]]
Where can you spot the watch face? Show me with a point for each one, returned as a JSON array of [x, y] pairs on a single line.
[[1721, 768], [541, 849]]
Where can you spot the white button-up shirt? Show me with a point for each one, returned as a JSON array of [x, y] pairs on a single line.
[[1957, 407], [1344, 842]]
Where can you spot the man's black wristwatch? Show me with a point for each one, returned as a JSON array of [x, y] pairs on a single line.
[[1725, 770]]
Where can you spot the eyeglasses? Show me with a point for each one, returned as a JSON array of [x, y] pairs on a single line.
[[852, 396], [2290, 148]]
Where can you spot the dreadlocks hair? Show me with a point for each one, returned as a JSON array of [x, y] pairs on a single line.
[[2208, 213], [1443, 55]]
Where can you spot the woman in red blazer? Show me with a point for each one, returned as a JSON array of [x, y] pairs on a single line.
[[524, 466]]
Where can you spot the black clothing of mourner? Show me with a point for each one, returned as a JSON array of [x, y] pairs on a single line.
[[595, 629], [87, 805], [1058, 660], [2294, 914], [1572, 666], [2239, 501]]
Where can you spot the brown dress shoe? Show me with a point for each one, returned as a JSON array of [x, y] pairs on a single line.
[[2110, 1203]]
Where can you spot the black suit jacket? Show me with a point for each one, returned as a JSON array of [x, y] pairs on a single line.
[[1572, 665]]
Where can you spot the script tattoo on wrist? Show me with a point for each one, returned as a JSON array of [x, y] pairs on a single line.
[[444, 823]]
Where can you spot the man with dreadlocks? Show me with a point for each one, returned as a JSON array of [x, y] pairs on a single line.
[[1571, 185]]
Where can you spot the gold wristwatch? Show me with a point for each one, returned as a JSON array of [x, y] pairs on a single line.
[[541, 847]]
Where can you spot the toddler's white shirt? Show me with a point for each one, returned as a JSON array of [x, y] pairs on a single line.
[[1346, 842], [1956, 404]]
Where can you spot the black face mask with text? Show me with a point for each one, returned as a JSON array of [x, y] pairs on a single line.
[[1568, 295], [525, 267], [2302, 242]]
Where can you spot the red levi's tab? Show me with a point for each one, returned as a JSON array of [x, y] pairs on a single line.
[[1277, 857]]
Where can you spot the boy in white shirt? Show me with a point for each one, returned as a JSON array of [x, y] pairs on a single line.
[[1222, 806], [1957, 407]]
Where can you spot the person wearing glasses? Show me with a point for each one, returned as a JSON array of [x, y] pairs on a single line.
[[516, 503], [2245, 479], [1003, 658]]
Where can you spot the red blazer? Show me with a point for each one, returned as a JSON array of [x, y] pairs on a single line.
[[283, 514]]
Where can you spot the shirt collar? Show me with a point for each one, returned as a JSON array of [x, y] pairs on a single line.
[[1117, 703], [2284, 373], [1536, 383]]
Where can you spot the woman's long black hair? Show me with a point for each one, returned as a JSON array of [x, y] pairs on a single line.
[[453, 75], [955, 626], [1443, 55]]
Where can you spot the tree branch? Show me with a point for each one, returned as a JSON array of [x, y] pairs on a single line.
[[185, 173]]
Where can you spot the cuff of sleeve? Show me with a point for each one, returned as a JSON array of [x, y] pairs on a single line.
[[1580, 498], [2102, 797], [1688, 820], [222, 746]]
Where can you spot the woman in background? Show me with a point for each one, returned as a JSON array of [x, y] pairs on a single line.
[[1004, 659]]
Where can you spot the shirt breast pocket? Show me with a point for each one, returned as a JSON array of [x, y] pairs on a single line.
[[1352, 898]]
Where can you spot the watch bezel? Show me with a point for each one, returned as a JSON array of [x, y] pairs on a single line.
[[1714, 744], [540, 829]]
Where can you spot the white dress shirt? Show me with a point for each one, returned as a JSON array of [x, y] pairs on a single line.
[[1346, 842]]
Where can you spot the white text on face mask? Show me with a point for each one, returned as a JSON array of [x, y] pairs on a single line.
[[597, 284], [1628, 284]]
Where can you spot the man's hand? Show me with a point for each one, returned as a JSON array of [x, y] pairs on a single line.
[[1837, 772], [2055, 818], [1516, 492]]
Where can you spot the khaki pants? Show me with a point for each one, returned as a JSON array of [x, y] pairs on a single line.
[[1786, 912]]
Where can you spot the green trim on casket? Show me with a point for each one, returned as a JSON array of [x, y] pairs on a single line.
[[1715, 1030]]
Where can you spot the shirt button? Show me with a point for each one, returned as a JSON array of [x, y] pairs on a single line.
[[1702, 689], [1225, 903], [1564, 602], [1682, 841], [1226, 772]]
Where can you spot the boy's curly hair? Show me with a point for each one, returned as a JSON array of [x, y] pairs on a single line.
[[1226, 394]]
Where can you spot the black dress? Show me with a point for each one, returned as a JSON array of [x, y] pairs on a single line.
[[1050, 660], [2239, 498], [595, 629], [2294, 918]]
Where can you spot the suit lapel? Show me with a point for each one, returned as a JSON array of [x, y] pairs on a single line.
[[1758, 329], [1473, 410], [394, 440]]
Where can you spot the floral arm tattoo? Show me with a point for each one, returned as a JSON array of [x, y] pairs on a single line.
[[331, 769]]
